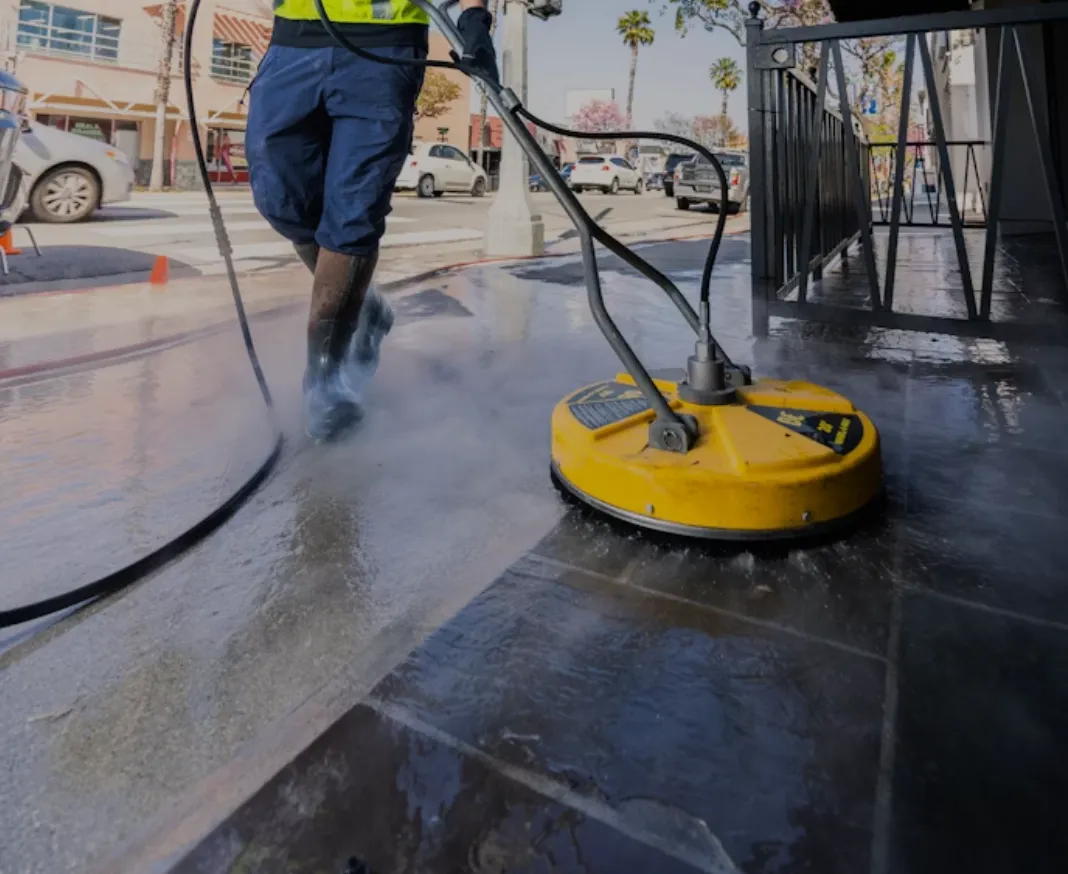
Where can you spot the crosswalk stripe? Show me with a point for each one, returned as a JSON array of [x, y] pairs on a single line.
[[444, 235], [157, 228], [281, 248]]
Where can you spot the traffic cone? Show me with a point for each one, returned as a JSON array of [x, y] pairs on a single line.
[[161, 271], [8, 245]]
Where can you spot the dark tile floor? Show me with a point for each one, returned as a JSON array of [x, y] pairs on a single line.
[[893, 702]]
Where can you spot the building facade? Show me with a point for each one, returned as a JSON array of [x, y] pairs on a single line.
[[91, 68]]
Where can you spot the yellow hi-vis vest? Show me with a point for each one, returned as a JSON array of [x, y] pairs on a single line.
[[353, 11]]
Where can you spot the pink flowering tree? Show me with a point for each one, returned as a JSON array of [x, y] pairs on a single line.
[[598, 116]]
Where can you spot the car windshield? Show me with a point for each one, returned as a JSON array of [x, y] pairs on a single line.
[[591, 160], [727, 160]]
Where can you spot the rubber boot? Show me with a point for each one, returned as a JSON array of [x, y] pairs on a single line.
[[331, 396], [308, 253], [375, 322]]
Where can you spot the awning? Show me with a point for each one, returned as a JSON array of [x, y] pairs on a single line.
[[243, 31], [226, 26], [156, 11]]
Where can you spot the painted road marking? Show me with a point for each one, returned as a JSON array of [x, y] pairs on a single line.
[[281, 248]]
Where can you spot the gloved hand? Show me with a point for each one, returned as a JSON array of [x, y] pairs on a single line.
[[479, 54]]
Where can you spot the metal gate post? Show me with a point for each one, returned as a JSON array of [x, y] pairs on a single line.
[[758, 176]]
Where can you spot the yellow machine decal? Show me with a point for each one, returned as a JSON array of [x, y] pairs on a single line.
[[837, 432], [606, 403]]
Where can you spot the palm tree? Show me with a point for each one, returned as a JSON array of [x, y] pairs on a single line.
[[727, 77], [637, 31]]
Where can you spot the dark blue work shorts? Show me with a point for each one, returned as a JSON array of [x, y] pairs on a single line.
[[328, 134]]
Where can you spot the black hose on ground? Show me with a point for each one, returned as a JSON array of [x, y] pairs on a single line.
[[133, 573]]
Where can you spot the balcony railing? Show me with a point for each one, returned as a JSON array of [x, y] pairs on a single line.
[[814, 189], [67, 42], [232, 69]]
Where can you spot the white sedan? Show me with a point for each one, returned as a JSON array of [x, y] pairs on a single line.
[[66, 177], [434, 168], [607, 173]]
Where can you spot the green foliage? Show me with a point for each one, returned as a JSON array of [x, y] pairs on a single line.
[[636, 29], [726, 75]]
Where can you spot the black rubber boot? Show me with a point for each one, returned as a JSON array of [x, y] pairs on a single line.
[[329, 407], [308, 253], [333, 383]]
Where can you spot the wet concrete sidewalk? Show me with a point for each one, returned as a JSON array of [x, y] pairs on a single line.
[[407, 654]]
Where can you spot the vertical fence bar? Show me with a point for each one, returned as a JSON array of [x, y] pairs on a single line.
[[812, 192], [863, 200], [899, 173], [791, 173], [1045, 154], [758, 237], [776, 157], [978, 179], [783, 130], [947, 178], [997, 172]]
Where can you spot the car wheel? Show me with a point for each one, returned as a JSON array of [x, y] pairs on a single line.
[[682, 203], [427, 186], [614, 189], [65, 195], [479, 188], [639, 187]]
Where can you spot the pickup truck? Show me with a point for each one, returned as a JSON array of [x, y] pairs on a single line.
[[697, 182]]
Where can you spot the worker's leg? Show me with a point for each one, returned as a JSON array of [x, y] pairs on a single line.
[[286, 143], [371, 107]]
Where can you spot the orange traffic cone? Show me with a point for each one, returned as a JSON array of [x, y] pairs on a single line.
[[161, 271], [8, 245]]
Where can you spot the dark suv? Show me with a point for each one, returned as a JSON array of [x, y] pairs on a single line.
[[673, 161]]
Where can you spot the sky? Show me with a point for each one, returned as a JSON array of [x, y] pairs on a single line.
[[580, 49]]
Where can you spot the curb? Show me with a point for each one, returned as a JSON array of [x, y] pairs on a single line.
[[120, 354]]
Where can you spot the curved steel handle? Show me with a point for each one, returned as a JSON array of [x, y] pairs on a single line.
[[507, 106]]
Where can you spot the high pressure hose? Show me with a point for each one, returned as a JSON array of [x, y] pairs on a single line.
[[133, 573]]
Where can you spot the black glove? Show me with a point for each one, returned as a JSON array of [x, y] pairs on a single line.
[[479, 53]]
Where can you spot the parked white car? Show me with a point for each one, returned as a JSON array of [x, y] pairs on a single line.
[[607, 173], [66, 177], [434, 168]]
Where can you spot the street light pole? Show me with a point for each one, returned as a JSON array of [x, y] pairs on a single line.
[[514, 229]]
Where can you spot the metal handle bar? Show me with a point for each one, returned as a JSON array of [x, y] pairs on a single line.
[[508, 107]]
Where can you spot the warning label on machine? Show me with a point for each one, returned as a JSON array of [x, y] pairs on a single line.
[[833, 430], [607, 403]]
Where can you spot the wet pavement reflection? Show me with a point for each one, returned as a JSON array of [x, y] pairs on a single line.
[[527, 687]]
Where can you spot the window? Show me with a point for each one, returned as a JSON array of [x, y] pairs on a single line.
[[60, 30], [438, 152], [231, 61], [454, 154], [591, 160], [725, 160]]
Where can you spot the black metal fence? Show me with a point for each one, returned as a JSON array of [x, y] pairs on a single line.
[[817, 182], [923, 198]]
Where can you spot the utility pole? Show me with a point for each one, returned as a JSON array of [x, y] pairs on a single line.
[[514, 229], [169, 16]]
